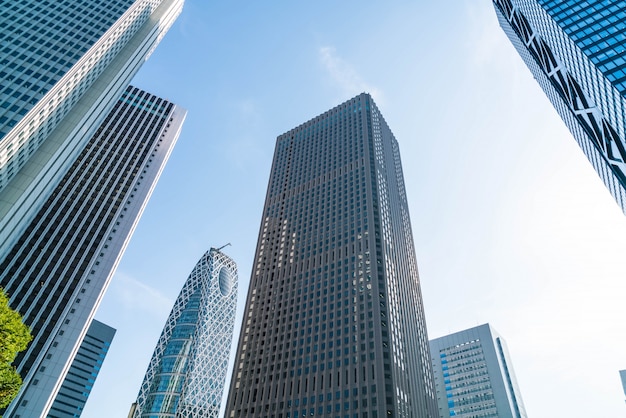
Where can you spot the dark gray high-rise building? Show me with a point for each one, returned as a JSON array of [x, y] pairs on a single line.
[[334, 321], [80, 378], [576, 51], [56, 273]]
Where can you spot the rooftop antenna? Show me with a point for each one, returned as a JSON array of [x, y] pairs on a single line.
[[226, 245]]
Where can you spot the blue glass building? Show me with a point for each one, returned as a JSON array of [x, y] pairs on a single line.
[[185, 377], [75, 390], [576, 50]]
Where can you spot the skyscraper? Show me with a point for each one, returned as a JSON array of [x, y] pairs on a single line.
[[77, 385], [334, 322], [474, 375], [576, 51], [186, 374], [57, 272], [63, 64]]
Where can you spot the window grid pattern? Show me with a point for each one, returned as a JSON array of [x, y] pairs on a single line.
[[599, 29], [466, 381], [185, 378], [576, 55], [44, 72], [69, 250], [409, 341], [81, 376], [474, 377], [316, 332]]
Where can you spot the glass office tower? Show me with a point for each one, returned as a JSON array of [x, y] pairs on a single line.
[[75, 390], [576, 51], [185, 378], [474, 375], [63, 65], [334, 321], [58, 270]]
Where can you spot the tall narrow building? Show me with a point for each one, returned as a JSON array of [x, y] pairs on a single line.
[[57, 271], [82, 374], [334, 321], [474, 375], [577, 52], [185, 378], [63, 65]]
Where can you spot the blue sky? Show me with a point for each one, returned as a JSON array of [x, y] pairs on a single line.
[[511, 224]]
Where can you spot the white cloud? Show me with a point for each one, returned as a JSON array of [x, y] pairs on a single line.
[[485, 42], [342, 73], [248, 111], [134, 295]]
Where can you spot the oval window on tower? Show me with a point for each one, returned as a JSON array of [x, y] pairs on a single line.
[[226, 281]]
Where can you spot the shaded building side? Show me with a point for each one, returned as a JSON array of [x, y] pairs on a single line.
[[57, 272], [334, 321], [82, 374]]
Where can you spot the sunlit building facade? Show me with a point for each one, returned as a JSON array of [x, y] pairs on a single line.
[[63, 65], [186, 375], [576, 51], [334, 322], [474, 375], [58, 270]]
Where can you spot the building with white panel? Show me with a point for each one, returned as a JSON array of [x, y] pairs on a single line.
[[474, 375], [63, 65], [59, 268], [186, 375]]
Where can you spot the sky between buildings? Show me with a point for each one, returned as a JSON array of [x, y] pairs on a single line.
[[512, 226]]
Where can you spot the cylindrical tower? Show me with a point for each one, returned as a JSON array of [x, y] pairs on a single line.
[[186, 374]]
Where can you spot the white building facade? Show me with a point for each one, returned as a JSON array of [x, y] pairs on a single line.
[[474, 376], [63, 65]]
